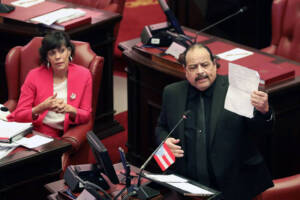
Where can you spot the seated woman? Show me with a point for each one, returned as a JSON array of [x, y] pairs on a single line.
[[58, 93]]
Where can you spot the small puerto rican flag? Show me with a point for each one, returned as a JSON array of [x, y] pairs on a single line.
[[164, 157]]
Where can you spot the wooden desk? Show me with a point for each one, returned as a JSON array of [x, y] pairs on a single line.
[[146, 80], [100, 36], [167, 194], [24, 172]]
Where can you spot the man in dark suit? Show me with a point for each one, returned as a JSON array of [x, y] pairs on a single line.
[[214, 145]]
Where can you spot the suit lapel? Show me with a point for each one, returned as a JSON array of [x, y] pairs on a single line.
[[217, 105]]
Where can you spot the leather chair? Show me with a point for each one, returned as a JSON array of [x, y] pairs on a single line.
[[21, 59], [285, 29], [287, 188]]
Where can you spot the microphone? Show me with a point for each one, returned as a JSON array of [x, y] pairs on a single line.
[[170, 16], [241, 10], [185, 115]]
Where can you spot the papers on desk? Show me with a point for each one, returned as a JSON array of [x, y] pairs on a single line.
[[234, 54], [26, 3], [58, 16], [242, 82], [166, 178], [190, 188], [11, 131], [34, 141], [175, 50], [180, 184], [30, 143], [5, 150]]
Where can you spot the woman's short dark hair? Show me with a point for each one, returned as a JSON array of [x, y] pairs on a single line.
[[182, 57], [53, 40]]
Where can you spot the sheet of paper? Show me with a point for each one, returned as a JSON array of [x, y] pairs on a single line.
[[234, 54], [34, 141], [242, 82], [26, 3], [5, 150], [191, 188], [166, 178], [175, 50], [10, 129], [58, 16]]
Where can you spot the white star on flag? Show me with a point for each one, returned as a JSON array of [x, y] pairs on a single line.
[[164, 157]]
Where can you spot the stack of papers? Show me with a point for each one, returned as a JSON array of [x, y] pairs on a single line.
[[59, 16], [30, 143], [234, 54], [13, 130], [26, 3], [180, 184]]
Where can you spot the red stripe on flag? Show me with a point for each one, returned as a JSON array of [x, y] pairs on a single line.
[[169, 152], [159, 163], [166, 160]]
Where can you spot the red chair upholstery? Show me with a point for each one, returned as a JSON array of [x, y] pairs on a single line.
[[287, 188], [285, 29], [21, 59]]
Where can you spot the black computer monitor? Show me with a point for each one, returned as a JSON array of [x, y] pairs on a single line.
[[103, 160]]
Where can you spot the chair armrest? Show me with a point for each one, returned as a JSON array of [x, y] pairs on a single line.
[[77, 135], [11, 104], [270, 49], [287, 188]]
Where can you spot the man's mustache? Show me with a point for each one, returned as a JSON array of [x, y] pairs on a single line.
[[200, 76]]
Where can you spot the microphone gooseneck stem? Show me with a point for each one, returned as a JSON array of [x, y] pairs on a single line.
[[243, 9], [218, 22], [154, 152]]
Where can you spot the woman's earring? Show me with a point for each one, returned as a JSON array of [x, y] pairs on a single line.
[[70, 58], [48, 64]]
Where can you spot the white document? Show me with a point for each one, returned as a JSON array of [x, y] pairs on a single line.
[[11, 129], [234, 54], [242, 82], [191, 188], [175, 50], [166, 178], [26, 3], [5, 150], [59, 16], [34, 141]]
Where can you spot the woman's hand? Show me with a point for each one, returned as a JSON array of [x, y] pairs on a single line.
[[62, 107], [48, 104], [175, 149]]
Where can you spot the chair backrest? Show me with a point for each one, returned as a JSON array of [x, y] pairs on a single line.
[[287, 188], [111, 5], [21, 59], [286, 28]]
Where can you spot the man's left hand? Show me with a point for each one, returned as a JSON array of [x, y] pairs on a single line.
[[259, 100]]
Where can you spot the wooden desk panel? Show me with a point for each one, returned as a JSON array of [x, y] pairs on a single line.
[[146, 80], [100, 36], [23, 173]]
